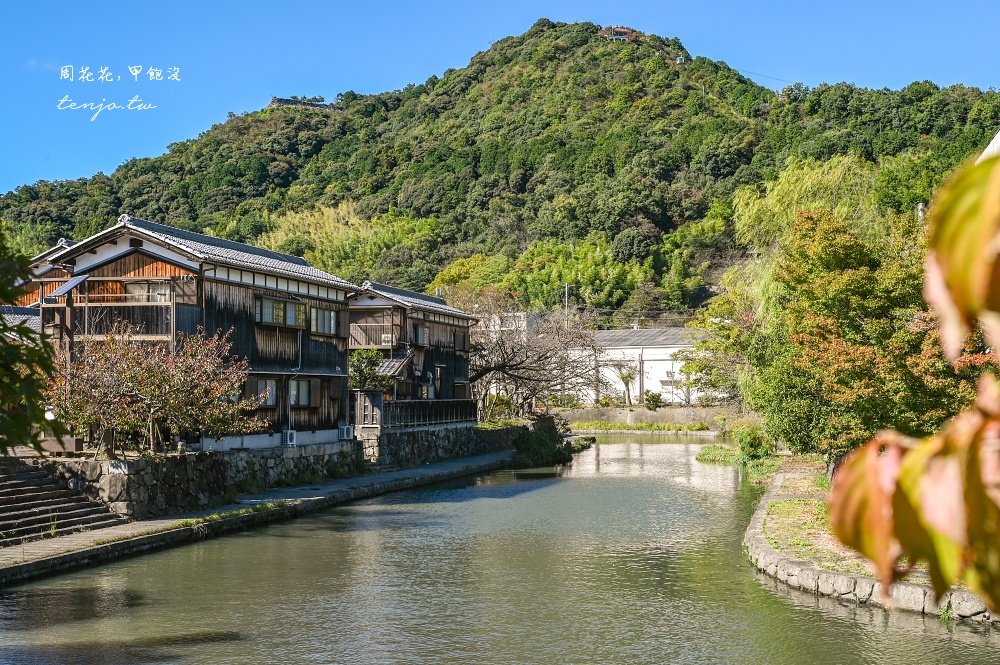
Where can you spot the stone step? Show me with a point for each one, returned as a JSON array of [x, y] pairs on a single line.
[[16, 483], [38, 532], [28, 508], [58, 516], [31, 494], [21, 474]]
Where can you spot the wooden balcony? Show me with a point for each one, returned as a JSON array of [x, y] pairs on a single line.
[[375, 336]]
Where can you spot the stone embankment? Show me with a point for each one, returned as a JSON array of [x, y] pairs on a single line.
[[56, 555], [173, 484], [846, 587]]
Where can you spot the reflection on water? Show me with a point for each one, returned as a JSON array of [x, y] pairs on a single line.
[[632, 555]]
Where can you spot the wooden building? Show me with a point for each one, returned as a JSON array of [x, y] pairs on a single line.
[[289, 319], [425, 344]]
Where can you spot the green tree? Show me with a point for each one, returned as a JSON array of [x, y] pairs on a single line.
[[363, 370], [25, 362]]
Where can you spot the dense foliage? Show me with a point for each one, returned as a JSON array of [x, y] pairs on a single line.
[[826, 334], [25, 358], [555, 157], [903, 502]]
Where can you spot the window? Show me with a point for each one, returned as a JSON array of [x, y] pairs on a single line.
[[267, 389], [324, 321], [147, 292], [298, 392], [280, 313]]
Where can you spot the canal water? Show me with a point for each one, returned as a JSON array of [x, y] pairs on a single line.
[[632, 555]]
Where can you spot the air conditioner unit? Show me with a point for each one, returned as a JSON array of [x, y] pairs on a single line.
[[388, 339], [288, 438], [346, 432]]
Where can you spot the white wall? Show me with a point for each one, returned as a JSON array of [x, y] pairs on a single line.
[[656, 371], [258, 441]]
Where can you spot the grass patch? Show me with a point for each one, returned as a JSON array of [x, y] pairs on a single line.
[[758, 471], [822, 483], [761, 471], [801, 528], [214, 517], [714, 453], [498, 424], [607, 426]]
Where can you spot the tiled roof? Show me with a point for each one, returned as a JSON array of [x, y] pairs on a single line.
[[226, 252], [13, 316], [647, 337], [237, 254], [62, 244], [414, 300]]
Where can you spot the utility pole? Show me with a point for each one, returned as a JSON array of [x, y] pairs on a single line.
[[566, 303]]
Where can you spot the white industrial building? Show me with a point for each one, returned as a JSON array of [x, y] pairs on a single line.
[[649, 354]]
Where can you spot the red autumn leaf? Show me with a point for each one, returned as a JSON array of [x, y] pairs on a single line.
[[861, 502]]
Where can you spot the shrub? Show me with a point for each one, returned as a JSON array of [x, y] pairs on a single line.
[[652, 400], [753, 442]]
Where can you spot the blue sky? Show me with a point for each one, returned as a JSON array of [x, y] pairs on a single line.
[[236, 56]]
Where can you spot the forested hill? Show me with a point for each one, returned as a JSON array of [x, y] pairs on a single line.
[[556, 156]]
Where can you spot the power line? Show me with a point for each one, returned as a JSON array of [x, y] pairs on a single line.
[[747, 71]]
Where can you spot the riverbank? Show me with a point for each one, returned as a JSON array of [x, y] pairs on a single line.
[[56, 555], [789, 539]]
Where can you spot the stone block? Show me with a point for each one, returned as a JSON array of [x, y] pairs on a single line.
[[863, 588], [843, 585], [808, 579], [935, 607], [826, 584], [114, 488], [965, 604], [908, 596], [123, 508], [91, 471]]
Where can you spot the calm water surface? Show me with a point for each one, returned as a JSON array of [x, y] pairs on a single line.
[[633, 555]]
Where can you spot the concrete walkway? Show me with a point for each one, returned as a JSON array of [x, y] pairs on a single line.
[[20, 563]]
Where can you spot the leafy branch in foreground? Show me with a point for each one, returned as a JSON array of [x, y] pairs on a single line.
[[938, 499]]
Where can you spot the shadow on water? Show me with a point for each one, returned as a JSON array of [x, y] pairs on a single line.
[[122, 652], [28, 610]]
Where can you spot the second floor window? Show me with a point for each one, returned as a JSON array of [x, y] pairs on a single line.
[[324, 321], [281, 313]]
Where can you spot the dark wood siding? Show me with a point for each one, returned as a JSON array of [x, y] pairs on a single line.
[[275, 349]]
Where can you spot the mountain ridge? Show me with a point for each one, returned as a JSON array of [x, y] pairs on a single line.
[[549, 144]]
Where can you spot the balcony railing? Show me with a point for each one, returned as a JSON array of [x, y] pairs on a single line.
[[375, 334], [415, 413], [371, 410]]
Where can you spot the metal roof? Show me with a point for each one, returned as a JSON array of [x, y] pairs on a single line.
[[218, 250], [647, 337], [414, 300], [396, 364]]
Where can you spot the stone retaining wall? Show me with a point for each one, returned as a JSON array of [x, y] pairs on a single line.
[[172, 484], [420, 446], [845, 586]]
